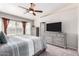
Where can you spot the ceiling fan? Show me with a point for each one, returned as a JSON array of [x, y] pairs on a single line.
[[31, 9]]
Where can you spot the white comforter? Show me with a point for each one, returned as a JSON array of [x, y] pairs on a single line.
[[37, 42], [14, 47], [22, 45], [30, 45]]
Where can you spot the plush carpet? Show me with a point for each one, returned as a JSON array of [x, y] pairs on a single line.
[[57, 51]]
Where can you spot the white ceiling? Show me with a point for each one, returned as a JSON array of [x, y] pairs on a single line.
[[46, 7]]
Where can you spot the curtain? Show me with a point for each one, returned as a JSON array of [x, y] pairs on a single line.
[[5, 22], [24, 27]]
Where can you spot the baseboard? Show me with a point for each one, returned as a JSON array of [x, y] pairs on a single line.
[[72, 49], [57, 45], [65, 47]]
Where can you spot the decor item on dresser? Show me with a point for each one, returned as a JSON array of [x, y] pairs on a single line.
[[2, 38]]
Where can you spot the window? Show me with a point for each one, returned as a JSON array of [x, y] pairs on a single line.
[[28, 28], [19, 28], [14, 27]]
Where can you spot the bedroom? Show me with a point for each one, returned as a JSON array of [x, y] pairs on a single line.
[[24, 26]]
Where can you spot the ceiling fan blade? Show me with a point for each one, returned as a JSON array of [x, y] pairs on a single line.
[[23, 7], [34, 14], [39, 11], [26, 12]]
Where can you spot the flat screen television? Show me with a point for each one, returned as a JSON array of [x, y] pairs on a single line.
[[55, 27]]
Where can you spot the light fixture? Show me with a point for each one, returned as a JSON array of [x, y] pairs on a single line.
[[30, 11]]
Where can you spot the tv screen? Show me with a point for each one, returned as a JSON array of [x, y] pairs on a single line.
[[56, 27]]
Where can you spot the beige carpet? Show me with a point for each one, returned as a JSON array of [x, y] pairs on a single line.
[[57, 51]]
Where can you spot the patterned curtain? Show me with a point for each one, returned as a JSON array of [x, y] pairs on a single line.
[[5, 22], [24, 27]]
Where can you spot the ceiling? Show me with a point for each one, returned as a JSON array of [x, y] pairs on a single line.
[[12, 8]]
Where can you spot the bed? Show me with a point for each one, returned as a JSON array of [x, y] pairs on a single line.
[[22, 45]]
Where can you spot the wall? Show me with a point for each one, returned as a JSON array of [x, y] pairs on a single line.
[[0, 24], [68, 17], [78, 28]]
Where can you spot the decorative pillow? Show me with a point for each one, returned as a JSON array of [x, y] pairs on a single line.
[[2, 38]]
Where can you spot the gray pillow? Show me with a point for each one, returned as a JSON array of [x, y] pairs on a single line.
[[2, 38]]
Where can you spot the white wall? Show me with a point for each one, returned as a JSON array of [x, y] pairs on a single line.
[[0, 24], [68, 17], [78, 28]]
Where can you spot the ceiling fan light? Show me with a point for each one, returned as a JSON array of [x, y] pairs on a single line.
[[30, 11]]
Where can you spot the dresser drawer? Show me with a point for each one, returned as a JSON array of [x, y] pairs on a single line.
[[49, 40]]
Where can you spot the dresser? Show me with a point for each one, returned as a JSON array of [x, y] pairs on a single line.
[[56, 38], [53, 38]]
